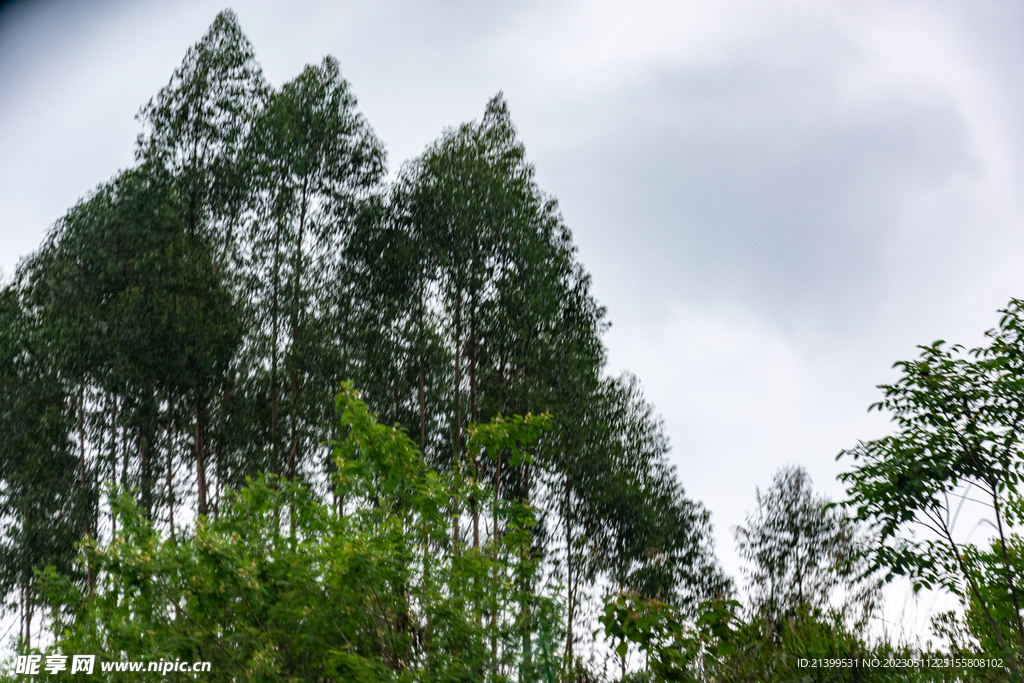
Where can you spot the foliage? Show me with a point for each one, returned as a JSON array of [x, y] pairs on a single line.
[[990, 576], [675, 651], [803, 553], [808, 646], [820, 646], [364, 589], [958, 414], [43, 508]]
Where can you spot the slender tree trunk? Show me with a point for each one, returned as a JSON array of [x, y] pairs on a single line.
[[81, 434], [83, 480], [113, 462], [200, 455], [293, 451], [423, 393], [472, 364], [497, 501], [28, 617], [457, 436], [569, 589], [218, 479], [144, 476], [145, 441], [501, 381], [476, 508], [423, 414], [396, 396], [427, 636], [294, 429], [124, 459], [494, 570], [170, 470], [275, 308], [293, 454], [527, 589]]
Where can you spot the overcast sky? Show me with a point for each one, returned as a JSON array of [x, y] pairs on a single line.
[[776, 200]]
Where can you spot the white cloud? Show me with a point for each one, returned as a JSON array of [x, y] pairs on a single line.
[[740, 399]]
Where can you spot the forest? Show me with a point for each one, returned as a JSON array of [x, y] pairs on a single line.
[[267, 406]]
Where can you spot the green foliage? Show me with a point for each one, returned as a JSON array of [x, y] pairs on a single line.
[[44, 508], [675, 650], [808, 646], [365, 588], [958, 415], [804, 553], [645, 533], [989, 574]]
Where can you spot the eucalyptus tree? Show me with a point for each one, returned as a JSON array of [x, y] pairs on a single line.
[[200, 309], [621, 512], [654, 541], [522, 334], [45, 497], [500, 261], [318, 161], [198, 127], [139, 321], [495, 306], [403, 361], [803, 553]]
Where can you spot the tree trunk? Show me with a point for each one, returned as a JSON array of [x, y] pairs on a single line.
[[423, 397], [200, 454], [527, 590], [494, 556], [457, 427], [275, 315], [170, 470], [569, 594], [83, 480], [293, 452]]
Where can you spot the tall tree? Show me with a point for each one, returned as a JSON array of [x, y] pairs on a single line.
[[318, 161], [46, 498], [198, 128], [522, 333], [196, 312], [802, 552]]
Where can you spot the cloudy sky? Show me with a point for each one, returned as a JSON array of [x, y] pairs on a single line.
[[776, 200]]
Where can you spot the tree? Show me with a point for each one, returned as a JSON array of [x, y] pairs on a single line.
[[316, 160], [521, 332], [45, 497], [959, 416], [623, 513], [801, 549], [198, 131]]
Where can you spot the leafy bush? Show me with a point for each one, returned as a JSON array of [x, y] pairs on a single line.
[[284, 585]]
